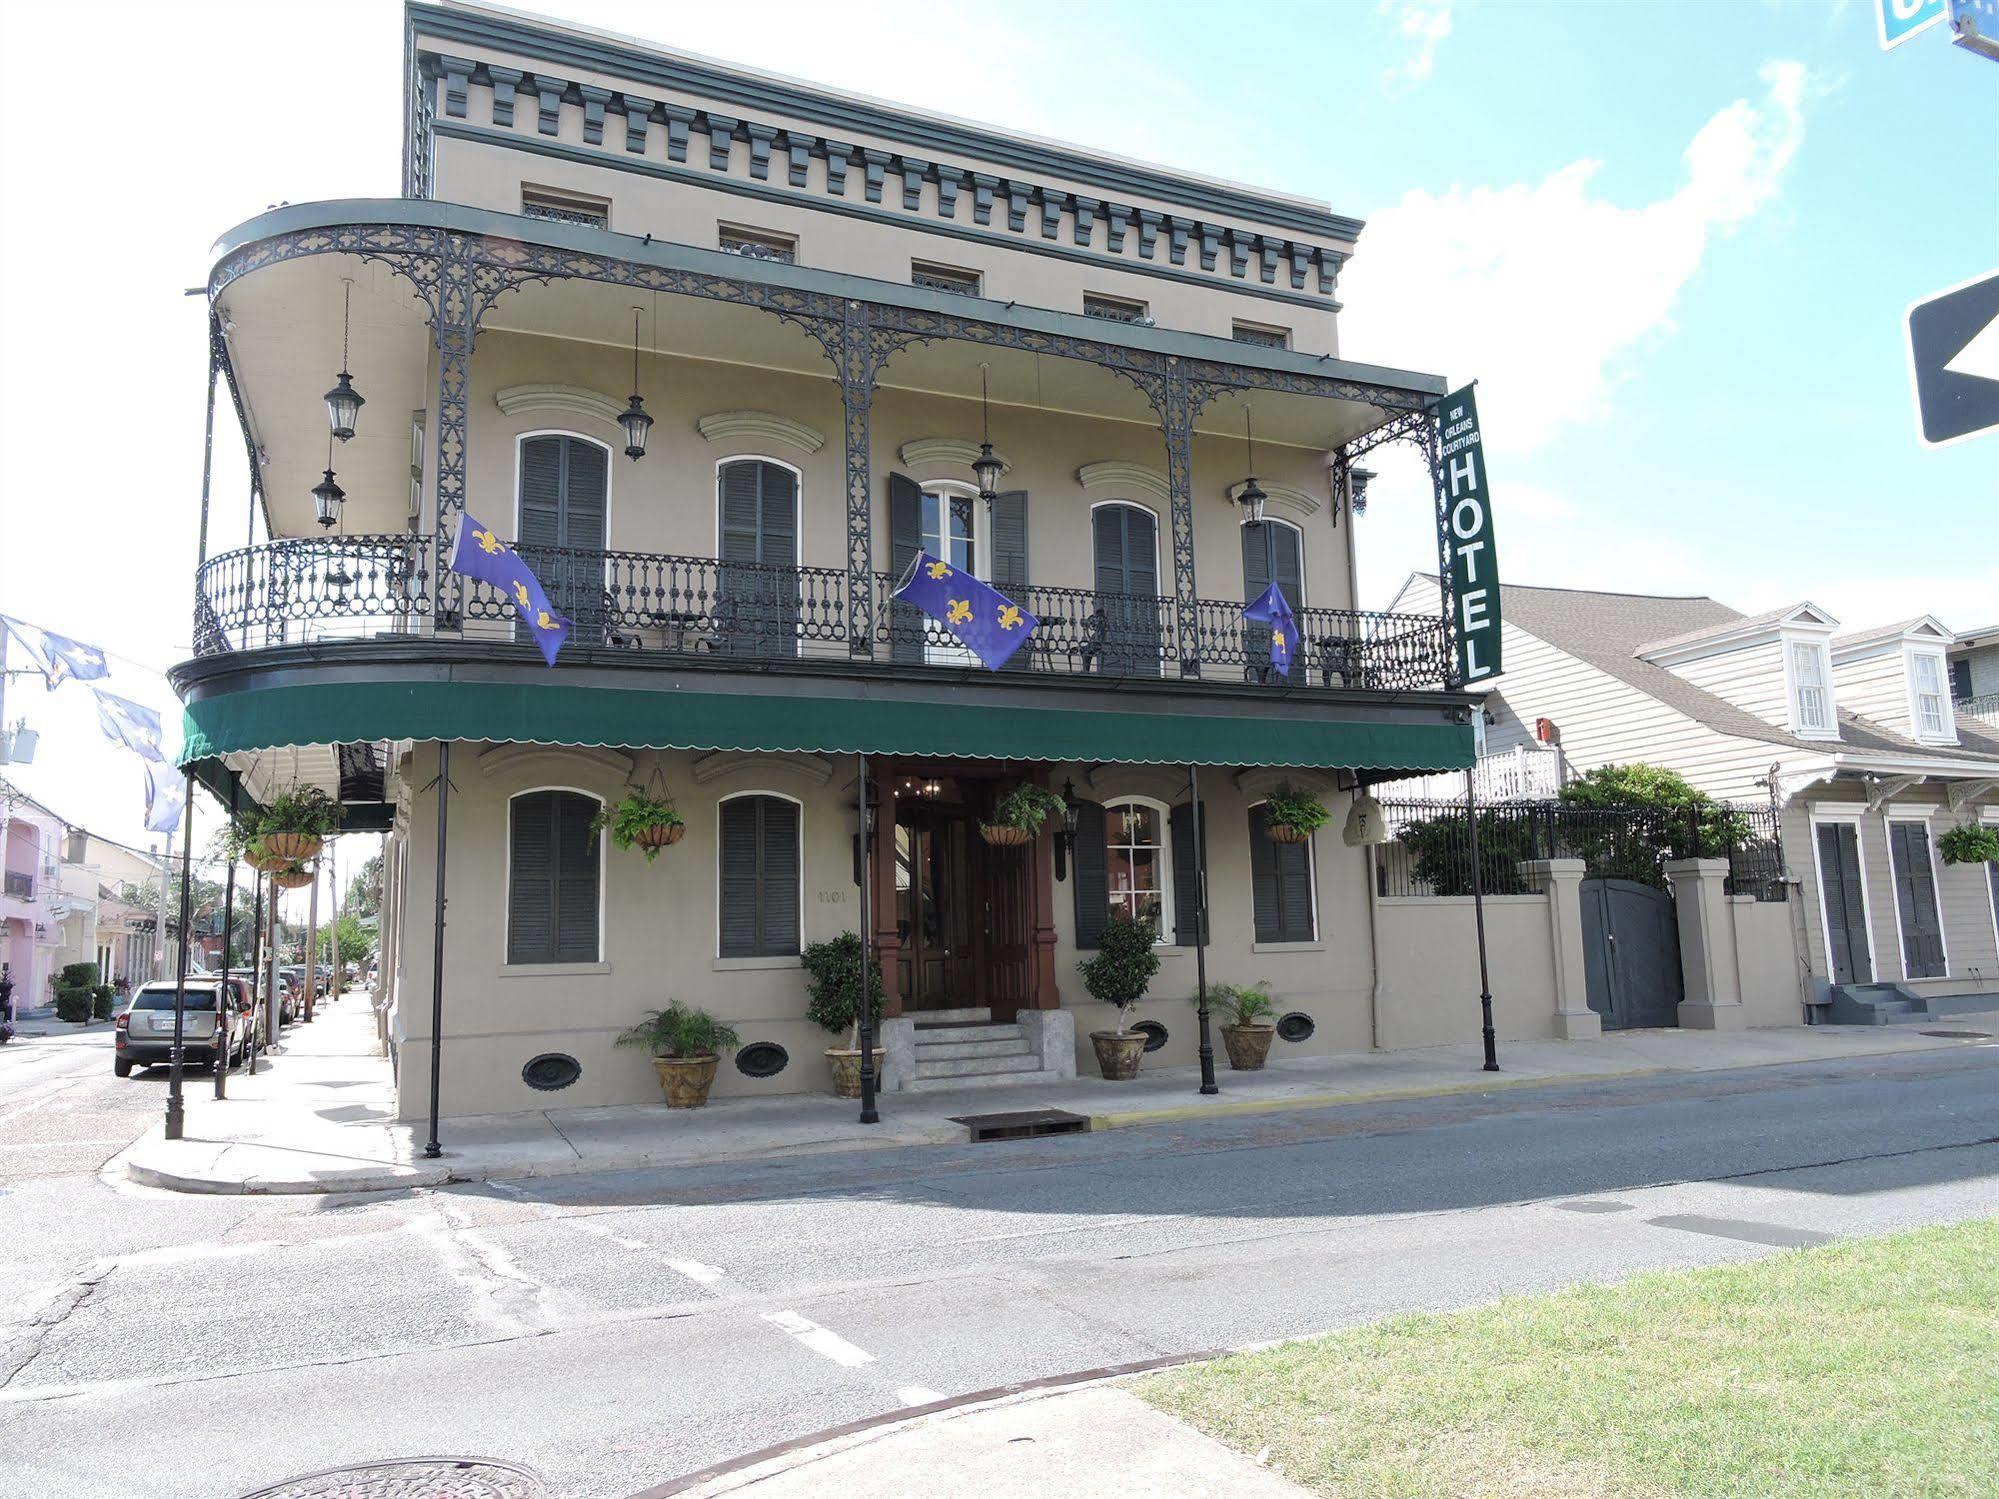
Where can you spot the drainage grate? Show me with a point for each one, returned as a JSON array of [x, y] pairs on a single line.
[[1028, 1124], [414, 1478], [1960, 1035]]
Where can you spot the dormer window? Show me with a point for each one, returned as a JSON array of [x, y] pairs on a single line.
[[1929, 702], [1811, 696]]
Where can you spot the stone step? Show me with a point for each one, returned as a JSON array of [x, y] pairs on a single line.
[[955, 1035], [977, 1066], [949, 1051], [978, 1013], [1960, 1004], [986, 1080]]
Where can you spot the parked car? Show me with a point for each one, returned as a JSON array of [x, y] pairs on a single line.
[[217, 1017]]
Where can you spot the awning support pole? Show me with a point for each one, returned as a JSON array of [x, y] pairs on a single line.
[[1208, 1084], [228, 1008], [1478, 919], [176, 1107], [258, 991], [432, 1150], [869, 1114]]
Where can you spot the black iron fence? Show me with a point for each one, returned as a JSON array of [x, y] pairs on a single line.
[[1429, 851], [346, 587]]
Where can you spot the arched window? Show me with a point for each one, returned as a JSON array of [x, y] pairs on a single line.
[[1280, 885], [1138, 862], [758, 893], [756, 543], [1272, 553], [564, 520], [554, 879], [1125, 548]]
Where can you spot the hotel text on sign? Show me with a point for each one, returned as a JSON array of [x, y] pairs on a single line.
[[1465, 520]]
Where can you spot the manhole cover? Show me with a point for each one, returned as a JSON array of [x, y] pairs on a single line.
[[1961, 1035], [413, 1478]]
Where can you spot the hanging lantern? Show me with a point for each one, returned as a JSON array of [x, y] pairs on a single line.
[[987, 467], [343, 402], [1365, 824], [634, 419], [327, 497], [1251, 495]]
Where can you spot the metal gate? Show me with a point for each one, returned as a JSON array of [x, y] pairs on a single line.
[[1631, 954]]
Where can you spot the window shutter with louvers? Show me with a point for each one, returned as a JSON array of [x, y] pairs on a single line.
[[553, 869], [1187, 856], [1280, 885], [1009, 548], [1093, 899], [905, 540], [758, 892]]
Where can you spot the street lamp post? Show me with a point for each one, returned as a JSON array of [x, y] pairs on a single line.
[[176, 1109]]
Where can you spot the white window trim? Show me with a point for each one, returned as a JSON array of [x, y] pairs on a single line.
[[1790, 644], [1948, 733], [1922, 819], [771, 960], [1312, 884], [1827, 816], [1167, 915], [602, 960]]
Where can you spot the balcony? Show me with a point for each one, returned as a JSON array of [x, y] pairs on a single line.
[[1983, 709], [646, 606]]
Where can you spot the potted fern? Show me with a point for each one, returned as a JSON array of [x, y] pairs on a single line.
[[241, 841], [295, 824], [642, 821], [1969, 843], [1118, 974], [834, 970], [1246, 1031], [1293, 816], [685, 1043], [1019, 814]]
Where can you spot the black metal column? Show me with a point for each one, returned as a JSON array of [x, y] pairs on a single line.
[[866, 1030], [1478, 919], [1208, 1084], [176, 1109], [432, 1150], [228, 1000], [257, 987]]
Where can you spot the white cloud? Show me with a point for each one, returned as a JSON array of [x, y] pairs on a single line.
[[1425, 24], [1540, 289]]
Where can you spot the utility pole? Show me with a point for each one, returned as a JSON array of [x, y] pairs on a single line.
[[312, 944], [333, 962], [160, 945]]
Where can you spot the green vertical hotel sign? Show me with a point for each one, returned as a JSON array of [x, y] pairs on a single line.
[[1465, 527]]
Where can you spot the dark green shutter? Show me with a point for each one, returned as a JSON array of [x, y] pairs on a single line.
[[565, 484], [1126, 544], [779, 877], [1916, 897], [1093, 896], [1187, 856], [1271, 552], [905, 540], [1280, 885], [1010, 561], [738, 893], [552, 882], [759, 883], [541, 492], [576, 871], [758, 582]]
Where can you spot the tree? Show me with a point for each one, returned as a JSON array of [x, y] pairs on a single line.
[[364, 891], [356, 941]]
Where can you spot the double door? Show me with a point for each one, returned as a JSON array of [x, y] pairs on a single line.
[[963, 910]]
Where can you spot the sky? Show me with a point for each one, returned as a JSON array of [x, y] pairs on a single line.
[[1673, 242]]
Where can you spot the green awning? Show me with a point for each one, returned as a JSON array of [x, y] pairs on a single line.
[[1233, 732]]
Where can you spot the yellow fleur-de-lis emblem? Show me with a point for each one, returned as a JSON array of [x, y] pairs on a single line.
[[543, 622], [959, 612], [1277, 637], [488, 542], [940, 569], [1009, 617], [521, 593]]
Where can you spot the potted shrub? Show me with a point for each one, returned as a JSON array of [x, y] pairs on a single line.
[[295, 824], [642, 821], [1019, 814], [833, 974], [1117, 974], [685, 1043], [1293, 816], [1969, 843], [1245, 1032]]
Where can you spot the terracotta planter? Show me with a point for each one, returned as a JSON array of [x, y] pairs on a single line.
[[999, 835], [291, 879], [262, 859], [1118, 1054], [662, 836], [685, 1080], [1281, 833], [293, 848], [1248, 1045], [847, 1070]]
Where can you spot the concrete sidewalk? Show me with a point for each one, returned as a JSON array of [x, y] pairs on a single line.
[[319, 1116]]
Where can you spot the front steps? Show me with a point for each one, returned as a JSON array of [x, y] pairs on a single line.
[[1892, 1004], [967, 1048]]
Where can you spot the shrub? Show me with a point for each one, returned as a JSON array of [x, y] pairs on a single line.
[[78, 976], [680, 1031], [833, 985], [101, 1000], [73, 1005], [1123, 965]]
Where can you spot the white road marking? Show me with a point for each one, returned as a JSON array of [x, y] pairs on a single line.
[[822, 1341], [916, 1394], [694, 1270]]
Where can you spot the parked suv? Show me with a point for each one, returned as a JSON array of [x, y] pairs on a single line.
[[145, 1032]]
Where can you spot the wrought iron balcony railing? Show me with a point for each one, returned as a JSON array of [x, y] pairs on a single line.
[[359, 587]]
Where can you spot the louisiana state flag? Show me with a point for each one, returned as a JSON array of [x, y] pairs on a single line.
[[478, 553], [989, 624]]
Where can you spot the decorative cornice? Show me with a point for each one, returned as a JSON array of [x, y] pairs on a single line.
[[512, 757], [742, 426], [1284, 497], [954, 452], [571, 400], [719, 763], [1116, 473]]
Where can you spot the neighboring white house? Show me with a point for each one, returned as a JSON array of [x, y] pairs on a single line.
[[1855, 736]]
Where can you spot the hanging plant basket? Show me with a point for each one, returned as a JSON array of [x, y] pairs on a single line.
[[999, 835], [660, 836], [644, 820], [291, 877], [1281, 832], [292, 848], [261, 858]]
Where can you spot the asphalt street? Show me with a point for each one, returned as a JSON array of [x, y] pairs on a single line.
[[615, 1331]]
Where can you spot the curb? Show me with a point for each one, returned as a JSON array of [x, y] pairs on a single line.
[[1182, 1113]]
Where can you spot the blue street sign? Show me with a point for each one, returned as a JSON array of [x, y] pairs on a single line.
[[1976, 23], [1898, 20]]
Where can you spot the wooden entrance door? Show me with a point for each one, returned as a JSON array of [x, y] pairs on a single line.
[[936, 967], [1006, 896]]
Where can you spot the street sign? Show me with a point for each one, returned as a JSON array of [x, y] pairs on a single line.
[[1976, 23], [1898, 20], [1464, 520], [1954, 360]]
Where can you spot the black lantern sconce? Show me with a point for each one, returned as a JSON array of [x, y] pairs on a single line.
[[1065, 835], [343, 402], [1251, 496], [634, 418]]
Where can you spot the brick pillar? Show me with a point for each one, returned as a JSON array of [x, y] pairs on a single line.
[[1561, 881], [1707, 946]]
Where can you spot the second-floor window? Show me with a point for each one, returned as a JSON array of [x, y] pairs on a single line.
[[949, 278], [1114, 309], [564, 510], [1264, 335], [757, 552], [1932, 703], [562, 207], [758, 244], [1811, 708]]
